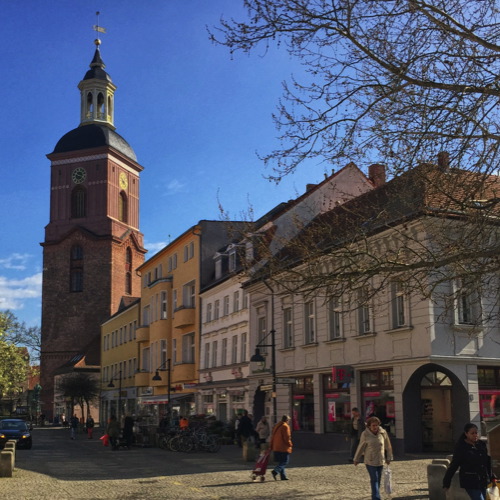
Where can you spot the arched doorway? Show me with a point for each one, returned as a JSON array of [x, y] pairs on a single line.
[[435, 408], [436, 411]]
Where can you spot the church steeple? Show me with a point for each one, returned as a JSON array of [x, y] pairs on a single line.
[[97, 93]]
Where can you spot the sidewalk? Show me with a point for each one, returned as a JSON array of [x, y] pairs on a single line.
[[58, 467]]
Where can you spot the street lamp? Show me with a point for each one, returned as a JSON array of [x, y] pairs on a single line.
[[119, 392], [157, 377], [258, 358]]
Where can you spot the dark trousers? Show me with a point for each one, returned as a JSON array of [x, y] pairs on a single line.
[[282, 457], [476, 494], [354, 446], [375, 472]]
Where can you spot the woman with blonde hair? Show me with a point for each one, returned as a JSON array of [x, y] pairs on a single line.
[[376, 448]]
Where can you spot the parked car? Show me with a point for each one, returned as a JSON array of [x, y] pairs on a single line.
[[15, 429]]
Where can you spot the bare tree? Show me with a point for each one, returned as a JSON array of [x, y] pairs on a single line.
[[82, 388], [395, 81], [401, 82]]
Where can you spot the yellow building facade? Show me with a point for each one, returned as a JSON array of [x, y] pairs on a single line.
[[168, 333], [119, 361]]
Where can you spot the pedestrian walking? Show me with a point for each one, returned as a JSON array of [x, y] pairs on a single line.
[[113, 431], [357, 428], [281, 445], [263, 431], [73, 423], [375, 446], [471, 457], [89, 425], [128, 431], [245, 428]]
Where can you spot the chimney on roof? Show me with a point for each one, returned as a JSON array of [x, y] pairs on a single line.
[[376, 174], [309, 187], [443, 160]]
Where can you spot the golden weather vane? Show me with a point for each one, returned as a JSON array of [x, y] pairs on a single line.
[[98, 28]]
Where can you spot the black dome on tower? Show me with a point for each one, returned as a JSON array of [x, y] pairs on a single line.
[[96, 127]]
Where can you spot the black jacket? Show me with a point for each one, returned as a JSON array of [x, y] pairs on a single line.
[[475, 465]]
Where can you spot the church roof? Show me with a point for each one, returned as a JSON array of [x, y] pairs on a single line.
[[93, 136], [97, 68]]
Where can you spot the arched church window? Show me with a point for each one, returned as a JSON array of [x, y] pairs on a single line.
[[78, 202], [76, 269], [90, 105], [100, 106], [122, 207], [128, 271]]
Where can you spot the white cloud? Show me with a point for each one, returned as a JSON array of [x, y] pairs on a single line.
[[174, 187], [13, 292], [155, 247], [15, 261]]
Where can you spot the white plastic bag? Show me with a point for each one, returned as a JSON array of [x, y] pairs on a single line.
[[493, 493], [388, 480]]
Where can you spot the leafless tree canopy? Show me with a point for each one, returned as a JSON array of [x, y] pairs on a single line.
[[393, 81]]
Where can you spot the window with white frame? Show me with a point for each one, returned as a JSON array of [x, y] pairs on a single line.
[[245, 300], [146, 359], [146, 316], [468, 302], [207, 355], [174, 300], [223, 360], [287, 327], [364, 319], [164, 305], [163, 353], [232, 260], [243, 349], [399, 302], [234, 349], [218, 266], [334, 318], [261, 327], [214, 353], [236, 301], [309, 322], [189, 294], [209, 312], [188, 348], [226, 305], [216, 309]]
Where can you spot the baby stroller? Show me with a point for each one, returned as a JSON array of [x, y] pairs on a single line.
[[260, 468]]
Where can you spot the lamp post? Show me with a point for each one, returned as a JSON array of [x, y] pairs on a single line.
[[258, 358], [157, 377], [119, 392]]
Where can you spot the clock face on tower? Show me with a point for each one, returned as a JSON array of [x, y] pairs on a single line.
[[78, 175], [123, 181]]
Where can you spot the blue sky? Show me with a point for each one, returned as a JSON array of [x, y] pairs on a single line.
[[194, 115]]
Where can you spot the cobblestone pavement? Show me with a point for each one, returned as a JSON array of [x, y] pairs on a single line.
[[62, 469]]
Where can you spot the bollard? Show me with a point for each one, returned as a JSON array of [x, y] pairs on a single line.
[[435, 474], [248, 451], [11, 446], [6, 463]]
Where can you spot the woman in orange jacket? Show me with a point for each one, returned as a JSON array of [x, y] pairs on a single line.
[[281, 445]]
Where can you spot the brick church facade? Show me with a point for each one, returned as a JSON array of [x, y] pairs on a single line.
[[92, 242]]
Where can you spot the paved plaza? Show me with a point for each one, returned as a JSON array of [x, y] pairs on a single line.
[[62, 469]]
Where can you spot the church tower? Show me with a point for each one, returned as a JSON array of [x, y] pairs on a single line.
[[92, 242]]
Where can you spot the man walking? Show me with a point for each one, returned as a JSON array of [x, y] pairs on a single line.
[[281, 445], [74, 426]]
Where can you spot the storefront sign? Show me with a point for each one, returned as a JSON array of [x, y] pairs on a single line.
[[342, 374]]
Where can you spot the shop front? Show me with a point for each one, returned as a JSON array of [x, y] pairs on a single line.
[[303, 404]]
